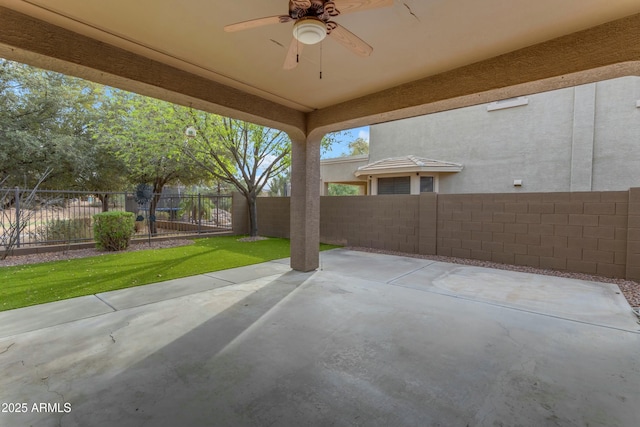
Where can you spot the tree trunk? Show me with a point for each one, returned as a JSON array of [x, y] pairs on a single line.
[[253, 215], [104, 198], [157, 192]]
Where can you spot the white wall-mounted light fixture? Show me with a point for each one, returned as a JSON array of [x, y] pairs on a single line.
[[638, 103], [517, 183], [309, 30]]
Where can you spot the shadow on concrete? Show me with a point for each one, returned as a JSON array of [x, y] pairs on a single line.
[[179, 366]]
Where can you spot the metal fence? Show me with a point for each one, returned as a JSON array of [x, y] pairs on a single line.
[[63, 217]]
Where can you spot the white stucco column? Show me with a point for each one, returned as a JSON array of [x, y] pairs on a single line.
[[305, 202]]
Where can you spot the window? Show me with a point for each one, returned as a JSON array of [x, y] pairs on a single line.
[[426, 184], [398, 185]]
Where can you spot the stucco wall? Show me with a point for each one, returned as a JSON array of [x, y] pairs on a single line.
[[342, 169], [617, 135], [578, 139]]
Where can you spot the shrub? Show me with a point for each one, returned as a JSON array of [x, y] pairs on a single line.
[[112, 231], [65, 230]]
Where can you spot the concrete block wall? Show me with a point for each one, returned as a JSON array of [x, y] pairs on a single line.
[[582, 232], [588, 232], [274, 216], [633, 236], [239, 214], [381, 222]]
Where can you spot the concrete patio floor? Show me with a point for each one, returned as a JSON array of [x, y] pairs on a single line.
[[369, 339]]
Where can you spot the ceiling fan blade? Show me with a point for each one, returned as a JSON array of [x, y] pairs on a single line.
[[348, 6], [253, 23], [349, 40], [293, 55]]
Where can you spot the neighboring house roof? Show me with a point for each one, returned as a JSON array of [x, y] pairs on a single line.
[[407, 164], [345, 159]]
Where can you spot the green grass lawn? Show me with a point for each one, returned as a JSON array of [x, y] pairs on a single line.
[[32, 284]]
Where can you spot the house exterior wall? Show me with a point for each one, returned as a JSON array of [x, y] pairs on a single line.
[[341, 171], [585, 138]]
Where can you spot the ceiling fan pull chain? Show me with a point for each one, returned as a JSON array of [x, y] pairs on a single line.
[[321, 60]]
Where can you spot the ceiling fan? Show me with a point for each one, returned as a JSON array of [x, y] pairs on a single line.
[[313, 22]]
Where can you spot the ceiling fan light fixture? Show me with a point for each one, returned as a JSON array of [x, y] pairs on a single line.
[[309, 30]]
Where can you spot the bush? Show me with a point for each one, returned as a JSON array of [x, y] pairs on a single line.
[[112, 231], [64, 230]]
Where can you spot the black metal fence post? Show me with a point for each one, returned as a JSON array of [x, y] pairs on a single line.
[[17, 217], [199, 213]]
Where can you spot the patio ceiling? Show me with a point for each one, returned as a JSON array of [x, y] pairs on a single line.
[[428, 55]]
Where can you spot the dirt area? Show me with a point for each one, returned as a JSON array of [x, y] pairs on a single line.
[[629, 288]]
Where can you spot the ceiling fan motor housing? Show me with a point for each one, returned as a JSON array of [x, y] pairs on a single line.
[[321, 9]]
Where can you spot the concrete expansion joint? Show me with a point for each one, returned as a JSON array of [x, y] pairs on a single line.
[[508, 307], [213, 276], [390, 281], [105, 302]]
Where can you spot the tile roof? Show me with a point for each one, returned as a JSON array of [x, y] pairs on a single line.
[[407, 164]]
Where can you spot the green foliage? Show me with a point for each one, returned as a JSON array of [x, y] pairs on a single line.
[[47, 121], [359, 146], [65, 230], [113, 230], [144, 134], [343, 190], [52, 281], [279, 185], [195, 210]]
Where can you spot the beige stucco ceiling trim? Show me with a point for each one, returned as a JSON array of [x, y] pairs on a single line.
[[606, 51], [603, 52], [38, 43], [46, 13]]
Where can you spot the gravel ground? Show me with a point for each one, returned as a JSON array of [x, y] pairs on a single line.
[[629, 288]]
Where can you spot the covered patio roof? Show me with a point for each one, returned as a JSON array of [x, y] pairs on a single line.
[[427, 56]]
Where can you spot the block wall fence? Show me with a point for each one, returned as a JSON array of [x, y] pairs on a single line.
[[586, 232]]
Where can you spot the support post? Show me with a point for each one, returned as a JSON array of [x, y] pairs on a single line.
[[305, 202]]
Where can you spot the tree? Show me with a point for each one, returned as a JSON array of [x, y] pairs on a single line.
[[279, 186], [359, 146], [243, 154], [142, 132], [46, 122], [343, 190]]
